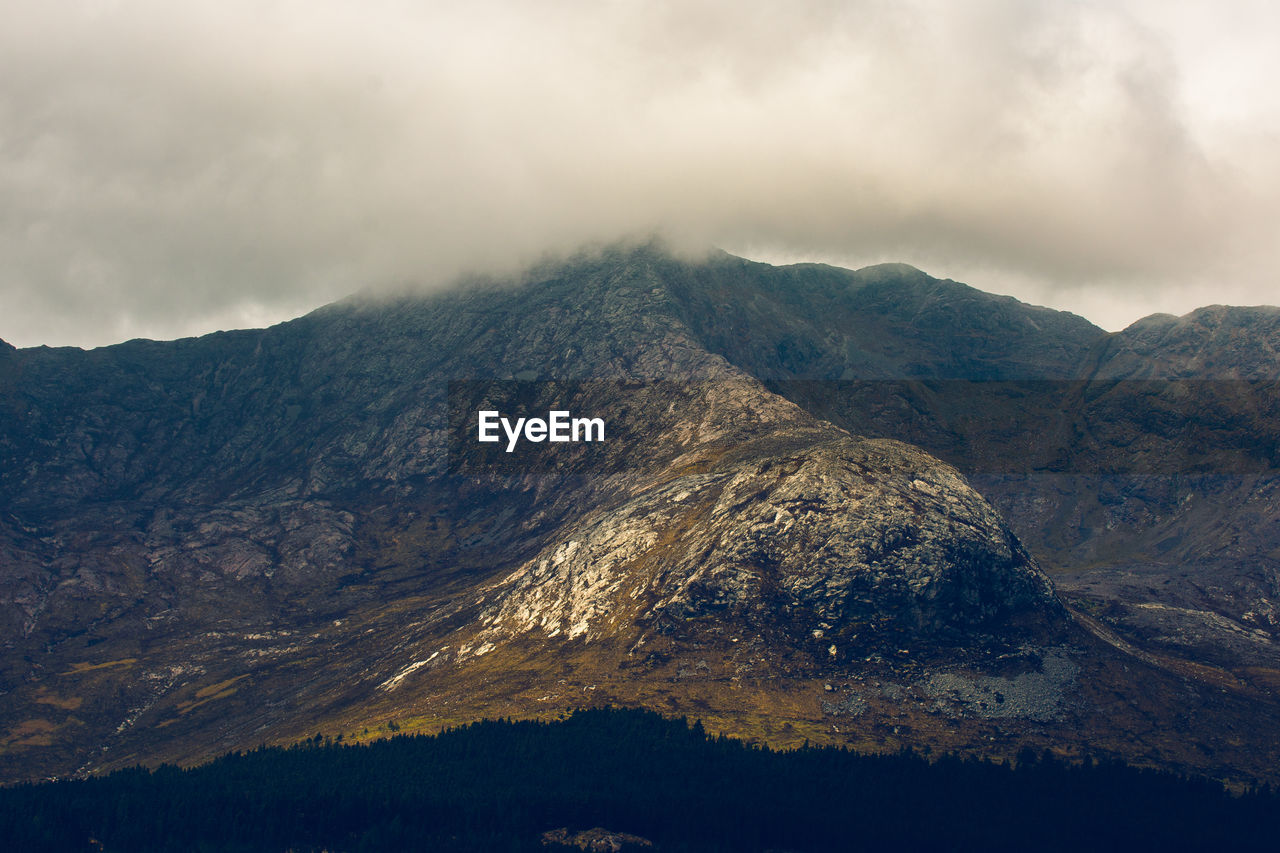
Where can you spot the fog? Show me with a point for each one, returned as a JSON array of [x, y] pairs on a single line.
[[169, 169]]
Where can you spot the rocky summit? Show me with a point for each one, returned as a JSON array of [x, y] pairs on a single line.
[[857, 507]]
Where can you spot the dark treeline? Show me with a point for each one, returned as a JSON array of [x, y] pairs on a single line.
[[500, 785]]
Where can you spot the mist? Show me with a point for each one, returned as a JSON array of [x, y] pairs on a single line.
[[171, 169]]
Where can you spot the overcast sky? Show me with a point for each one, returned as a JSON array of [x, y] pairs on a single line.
[[171, 168]]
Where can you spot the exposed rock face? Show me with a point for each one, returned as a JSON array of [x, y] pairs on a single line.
[[595, 839], [252, 536], [862, 542]]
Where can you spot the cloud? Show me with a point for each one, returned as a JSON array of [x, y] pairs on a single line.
[[168, 169]]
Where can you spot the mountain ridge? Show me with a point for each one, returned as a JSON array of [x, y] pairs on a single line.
[[254, 535]]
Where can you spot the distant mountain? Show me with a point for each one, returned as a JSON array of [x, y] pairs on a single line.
[[254, 536]]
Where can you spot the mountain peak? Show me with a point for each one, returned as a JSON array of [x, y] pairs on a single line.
[[891, 270], [1212, 342]]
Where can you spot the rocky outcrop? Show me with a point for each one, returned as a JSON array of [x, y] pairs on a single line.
[[859, 543], [595, 839]]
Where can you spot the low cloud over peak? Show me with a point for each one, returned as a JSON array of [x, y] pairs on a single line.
[[167, 169]]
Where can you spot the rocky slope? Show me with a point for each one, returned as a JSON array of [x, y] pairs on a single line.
[[253, 536], [860, 544], [1139, 467]]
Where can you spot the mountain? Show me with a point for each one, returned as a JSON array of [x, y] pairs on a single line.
[[827, 505], [1139, 467]]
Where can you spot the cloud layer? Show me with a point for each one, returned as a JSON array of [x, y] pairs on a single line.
[[172, 168]]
